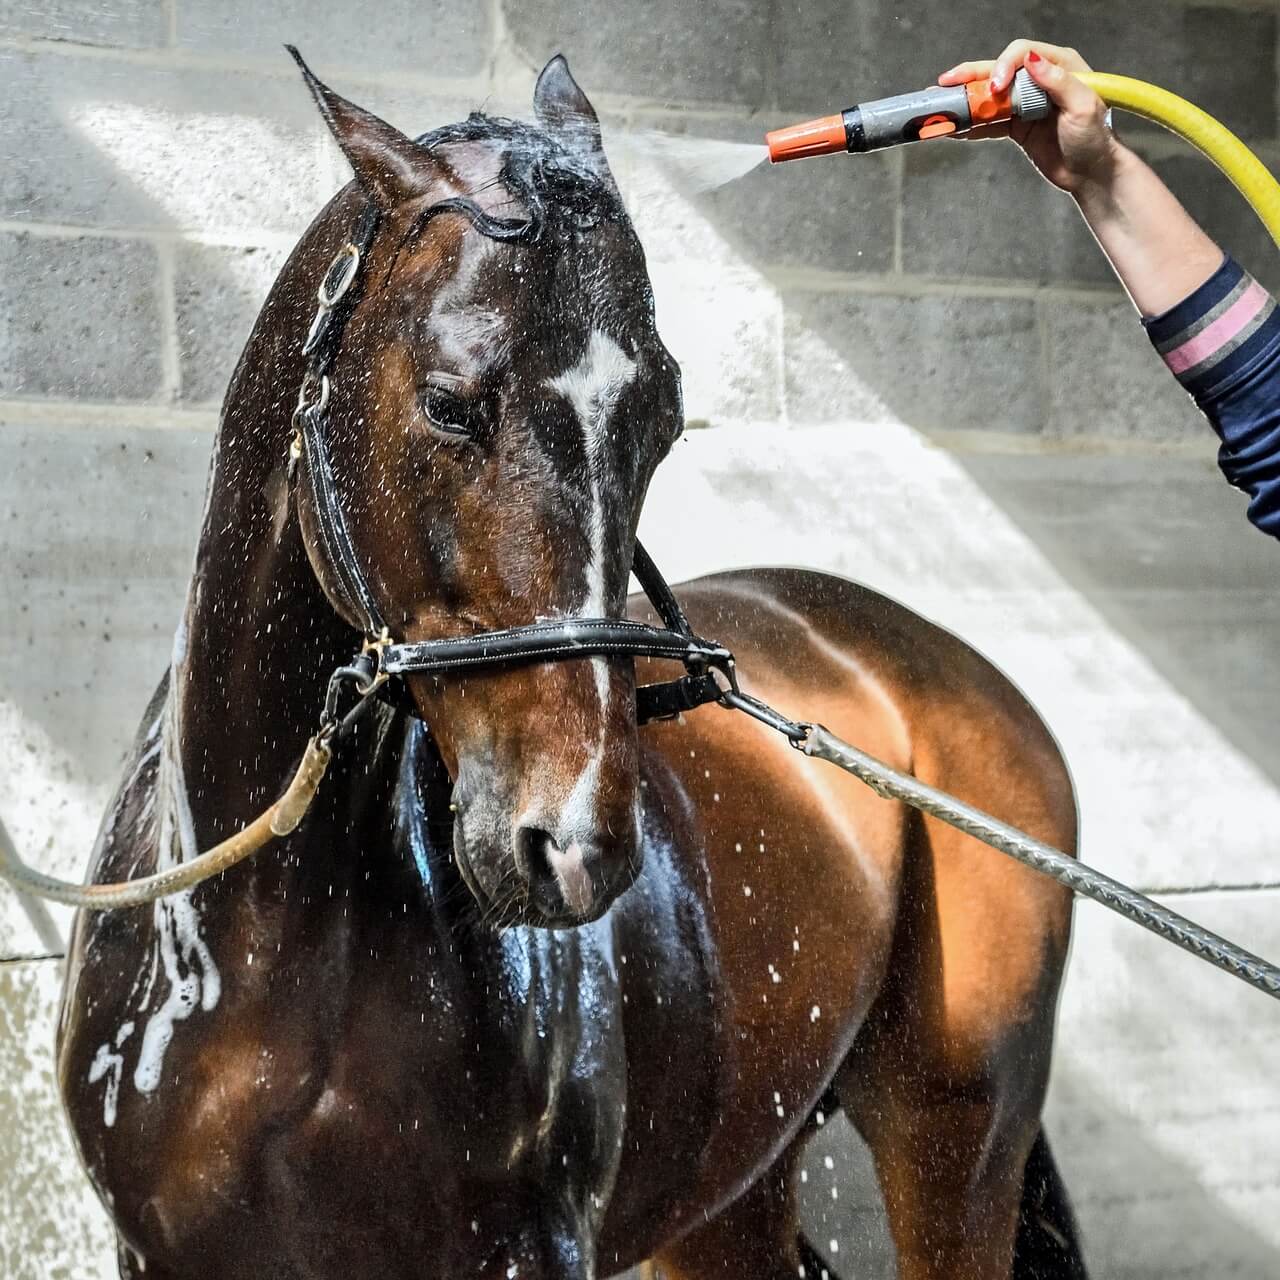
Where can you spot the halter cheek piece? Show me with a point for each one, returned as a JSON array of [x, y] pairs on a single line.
[[709, 668]]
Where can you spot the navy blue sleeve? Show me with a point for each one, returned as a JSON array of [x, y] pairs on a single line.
[[1223, 344]]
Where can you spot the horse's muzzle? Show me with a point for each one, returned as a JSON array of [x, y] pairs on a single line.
[[577, 882], [545, 871]]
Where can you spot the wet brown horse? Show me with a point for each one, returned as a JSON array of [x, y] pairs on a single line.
[[362, 1054]]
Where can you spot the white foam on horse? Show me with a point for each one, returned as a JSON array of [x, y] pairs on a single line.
[[110, 1066], [193, 978]]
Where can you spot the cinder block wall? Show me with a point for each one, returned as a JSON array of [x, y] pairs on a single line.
[[158, 159]]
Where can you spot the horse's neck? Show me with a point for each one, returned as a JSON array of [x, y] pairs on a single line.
[[257, 638]]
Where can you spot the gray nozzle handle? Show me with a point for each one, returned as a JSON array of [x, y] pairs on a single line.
[[890, 121], [1030, 102]]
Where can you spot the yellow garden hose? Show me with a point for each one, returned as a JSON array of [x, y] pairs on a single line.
[[1253, 179]]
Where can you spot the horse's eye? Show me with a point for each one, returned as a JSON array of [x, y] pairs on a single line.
[[448, 414]]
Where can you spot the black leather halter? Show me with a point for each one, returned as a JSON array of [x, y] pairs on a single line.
[[384, 661]]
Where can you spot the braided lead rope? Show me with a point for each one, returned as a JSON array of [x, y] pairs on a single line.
[[1079, 878], [279, 820]]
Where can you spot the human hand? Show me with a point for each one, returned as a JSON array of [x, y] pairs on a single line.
[[1074, 146]]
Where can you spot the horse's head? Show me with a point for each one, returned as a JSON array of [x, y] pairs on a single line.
[[500, 399]]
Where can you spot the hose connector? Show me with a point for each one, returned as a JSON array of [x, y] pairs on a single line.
[[1030, 102]]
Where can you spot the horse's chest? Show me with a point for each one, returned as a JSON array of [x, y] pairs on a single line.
[[429, 1102]]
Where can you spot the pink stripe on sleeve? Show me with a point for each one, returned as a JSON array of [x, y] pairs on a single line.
[[1220, 332]]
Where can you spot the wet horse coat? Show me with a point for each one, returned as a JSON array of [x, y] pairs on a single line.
[[366, 1053]]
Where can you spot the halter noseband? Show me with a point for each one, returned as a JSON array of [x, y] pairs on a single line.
[[383, 660]]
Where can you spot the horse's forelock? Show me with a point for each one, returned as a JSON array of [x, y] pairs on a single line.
[[536, 167]]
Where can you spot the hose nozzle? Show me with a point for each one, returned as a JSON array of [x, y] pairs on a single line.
[[820, 137], [912, 117]]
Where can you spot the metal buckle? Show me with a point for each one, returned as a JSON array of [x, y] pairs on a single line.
[[363, 674], [728, 672], [344, 266], [295, 452], [375, 647], [310, 384]]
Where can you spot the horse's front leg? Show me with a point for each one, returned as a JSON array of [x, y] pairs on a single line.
[[551, 1243]]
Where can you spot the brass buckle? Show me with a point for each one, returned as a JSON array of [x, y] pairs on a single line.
[[375, 647], [311, 384]]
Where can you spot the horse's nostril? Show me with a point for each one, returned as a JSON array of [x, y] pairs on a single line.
[[531, 848], [557, 877]]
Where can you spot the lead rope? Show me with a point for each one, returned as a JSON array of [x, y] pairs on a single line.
[[812, 739], [280, 819], [822, 744]]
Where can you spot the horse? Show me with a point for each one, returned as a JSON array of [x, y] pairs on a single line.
[[534, 991]]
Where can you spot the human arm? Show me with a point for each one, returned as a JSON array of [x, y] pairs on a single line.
[[1222, 343], [1153, 244], [1213, 325]]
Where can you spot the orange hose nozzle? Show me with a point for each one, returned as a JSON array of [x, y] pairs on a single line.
[[819, 137]]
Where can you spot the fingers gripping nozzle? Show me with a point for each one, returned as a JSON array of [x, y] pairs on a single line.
[[911, 117]]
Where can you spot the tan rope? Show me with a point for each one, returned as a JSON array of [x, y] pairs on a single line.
[[279, 820]]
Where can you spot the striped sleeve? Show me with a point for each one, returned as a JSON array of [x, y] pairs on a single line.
[[1223, 345], [1219, 333]]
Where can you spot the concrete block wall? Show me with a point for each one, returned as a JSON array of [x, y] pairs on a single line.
[[919, 372], [160, 157]]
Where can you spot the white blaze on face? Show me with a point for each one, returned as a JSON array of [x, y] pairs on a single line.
[[593, 387]]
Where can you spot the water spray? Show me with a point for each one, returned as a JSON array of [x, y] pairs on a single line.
[[939, 112]]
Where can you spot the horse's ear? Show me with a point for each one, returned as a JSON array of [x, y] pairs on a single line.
[[563, 109], [389, 166]]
